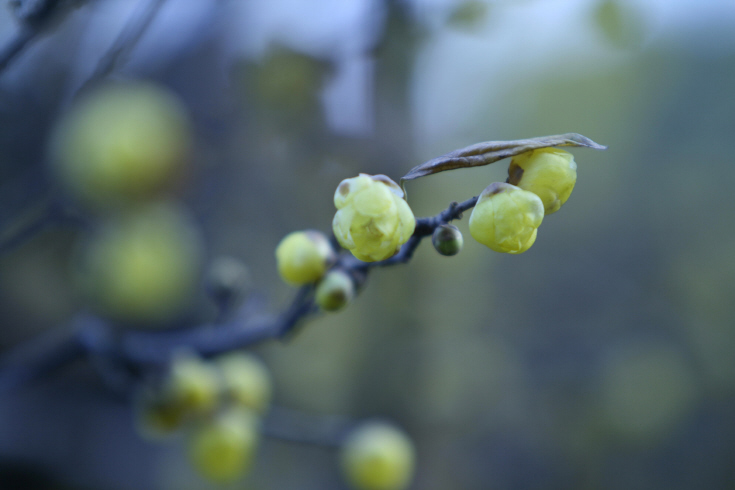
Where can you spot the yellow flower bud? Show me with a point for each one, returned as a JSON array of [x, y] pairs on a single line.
[[506, 217], [142, 267], [378, 456], [122, 143], [303, 257], [192, 384], [247, 381], [335, 291], [222, 450], [373, 219], [550, 173]]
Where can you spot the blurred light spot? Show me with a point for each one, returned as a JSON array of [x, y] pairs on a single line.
[[646, 392]]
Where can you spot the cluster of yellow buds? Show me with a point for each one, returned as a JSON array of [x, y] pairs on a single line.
[[218, 402], [507, 215], [307, 257]]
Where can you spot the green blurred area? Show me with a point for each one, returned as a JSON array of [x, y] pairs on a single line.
[[600, 358]]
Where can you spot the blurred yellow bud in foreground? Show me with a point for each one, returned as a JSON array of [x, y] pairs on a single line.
[[550, 173], [192, 384], [378, 456], [373, 219], [247, 380], [122, 143], [303, 257], [142, 266], [222, 449], [506, 217]]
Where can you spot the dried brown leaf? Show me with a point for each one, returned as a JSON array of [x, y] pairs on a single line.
[[489, 152]]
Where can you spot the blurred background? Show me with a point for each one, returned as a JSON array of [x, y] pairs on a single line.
[[601, 358]]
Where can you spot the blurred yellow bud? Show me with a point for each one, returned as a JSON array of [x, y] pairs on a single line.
[[192, 384], [247, 380], [122, 143], [550, 173], [142, 267], [303, 257], [222, 449], [378, 456], [506, 217], [335, 291], [373, 219]]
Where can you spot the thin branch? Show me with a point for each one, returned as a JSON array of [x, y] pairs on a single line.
[[17, 44], [34, 16], [123, 45], [97, 339], [424, 227], [38, 359]]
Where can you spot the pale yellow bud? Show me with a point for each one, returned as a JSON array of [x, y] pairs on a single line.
[[303, 257], [192, 384], [550, 173], [247, 381], [222, 450], [378, 456], [506, 217], [373, 219]]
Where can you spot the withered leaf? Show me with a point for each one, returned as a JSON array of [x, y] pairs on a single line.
[[489, 152]]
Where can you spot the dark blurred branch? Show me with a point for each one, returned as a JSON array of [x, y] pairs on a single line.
[[212, 339], [37, 359], [34, 16], [13, 48]]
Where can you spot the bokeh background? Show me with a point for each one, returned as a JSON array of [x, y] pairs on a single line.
[[601, 358]]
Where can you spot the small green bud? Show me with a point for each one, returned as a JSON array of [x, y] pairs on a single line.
[[303, 257], [378, 456], [222, 449], [550, 173], [373, 219], [226, 279], [335, 291], [447, 239], [506, 217], [247, 381]]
